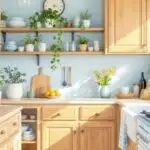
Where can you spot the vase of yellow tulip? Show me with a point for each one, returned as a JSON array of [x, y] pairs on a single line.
[[103, 79]]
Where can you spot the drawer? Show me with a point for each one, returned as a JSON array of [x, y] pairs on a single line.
[[14, 124], [3, 132], [102, 112], [59, 113]]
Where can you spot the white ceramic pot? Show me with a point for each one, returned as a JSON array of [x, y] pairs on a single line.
[[2, 23], [105, 92], [17, 22], [49, 23], [86, 23], [21, 48], [42, 47], [30, 48], [14, 91]]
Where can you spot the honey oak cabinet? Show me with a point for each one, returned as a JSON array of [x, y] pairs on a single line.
[[59, 135], [97, 136], [125, 25], [15, 142], [4, 146]]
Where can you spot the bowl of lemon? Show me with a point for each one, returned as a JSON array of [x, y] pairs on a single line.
[[52, 93]]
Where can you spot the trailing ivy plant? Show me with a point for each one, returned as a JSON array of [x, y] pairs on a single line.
[[56, 49]]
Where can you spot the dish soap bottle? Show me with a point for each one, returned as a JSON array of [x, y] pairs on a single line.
[[142, 82]]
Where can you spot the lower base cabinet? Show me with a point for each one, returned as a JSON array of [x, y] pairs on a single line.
[[59, 136], [4, 146], [99, 135], [132, 145]]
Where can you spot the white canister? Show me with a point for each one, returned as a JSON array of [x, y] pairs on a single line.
[[42, 47], [125, 90], [29, 47], [21, 48], [96, 46], [14, 91]]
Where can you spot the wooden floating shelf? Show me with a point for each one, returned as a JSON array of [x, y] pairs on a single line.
[[28, 121], [29, 142], [50, 53], [20, 30]]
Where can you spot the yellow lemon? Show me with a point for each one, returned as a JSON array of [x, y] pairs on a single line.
[[57, 93], [52, 94], [47, 94]]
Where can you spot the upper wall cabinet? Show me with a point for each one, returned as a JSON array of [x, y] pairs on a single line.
[[125, 25]]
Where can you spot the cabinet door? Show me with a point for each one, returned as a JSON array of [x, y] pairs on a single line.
[[15, 142], [97, 136], [125, 26], [131, 145], [4, 146], [59, 136]]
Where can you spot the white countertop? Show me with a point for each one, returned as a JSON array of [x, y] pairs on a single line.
[[41, 101], [7, 111]]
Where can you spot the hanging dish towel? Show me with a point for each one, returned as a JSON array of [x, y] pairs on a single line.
[[123, 131]]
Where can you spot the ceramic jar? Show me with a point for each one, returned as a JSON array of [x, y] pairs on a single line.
[[86, 23], [42, 47], [73, 46], [11, 46], [14, 91], [29, 48], [17, 22], [105, 92]]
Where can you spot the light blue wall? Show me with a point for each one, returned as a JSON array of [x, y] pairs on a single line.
[[129, 67]]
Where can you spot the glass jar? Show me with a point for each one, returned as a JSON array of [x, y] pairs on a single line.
[[73, 46], [66, 46], [96, 46]]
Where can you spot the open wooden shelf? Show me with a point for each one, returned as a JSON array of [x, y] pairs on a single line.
[[20, 30], [29, 142], [28, 121], [50, 53]]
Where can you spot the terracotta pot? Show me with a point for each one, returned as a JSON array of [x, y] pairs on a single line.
[[68, 24], [83, 47]]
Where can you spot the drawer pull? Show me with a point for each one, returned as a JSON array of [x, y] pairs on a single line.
[[56, 115], [2, 132], [15, 124], [82, 131], [74, 131], [97, 114]]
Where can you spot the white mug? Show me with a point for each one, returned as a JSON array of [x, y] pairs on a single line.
[[21, 48]]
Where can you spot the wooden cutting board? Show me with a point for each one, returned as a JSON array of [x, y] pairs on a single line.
[[40, 84]]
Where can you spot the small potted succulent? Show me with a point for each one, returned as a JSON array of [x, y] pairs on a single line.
[[30, 42], [1, 83], [49, 17], [14, 80], [83, 42], [103, 79], [85, 19], [3, 20]]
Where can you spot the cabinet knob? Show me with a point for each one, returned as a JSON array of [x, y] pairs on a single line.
[[82, 131], [97, 114], [58, 114], [15, 123], [74, 131], [2, 132]]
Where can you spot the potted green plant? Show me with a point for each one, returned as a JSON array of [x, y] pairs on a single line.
[[68, 23], [103, 79], [4, 17], [49, 17], [1, 83], [83, 42], [35, 21], [14, 80], [85, 19], [30, 42]]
